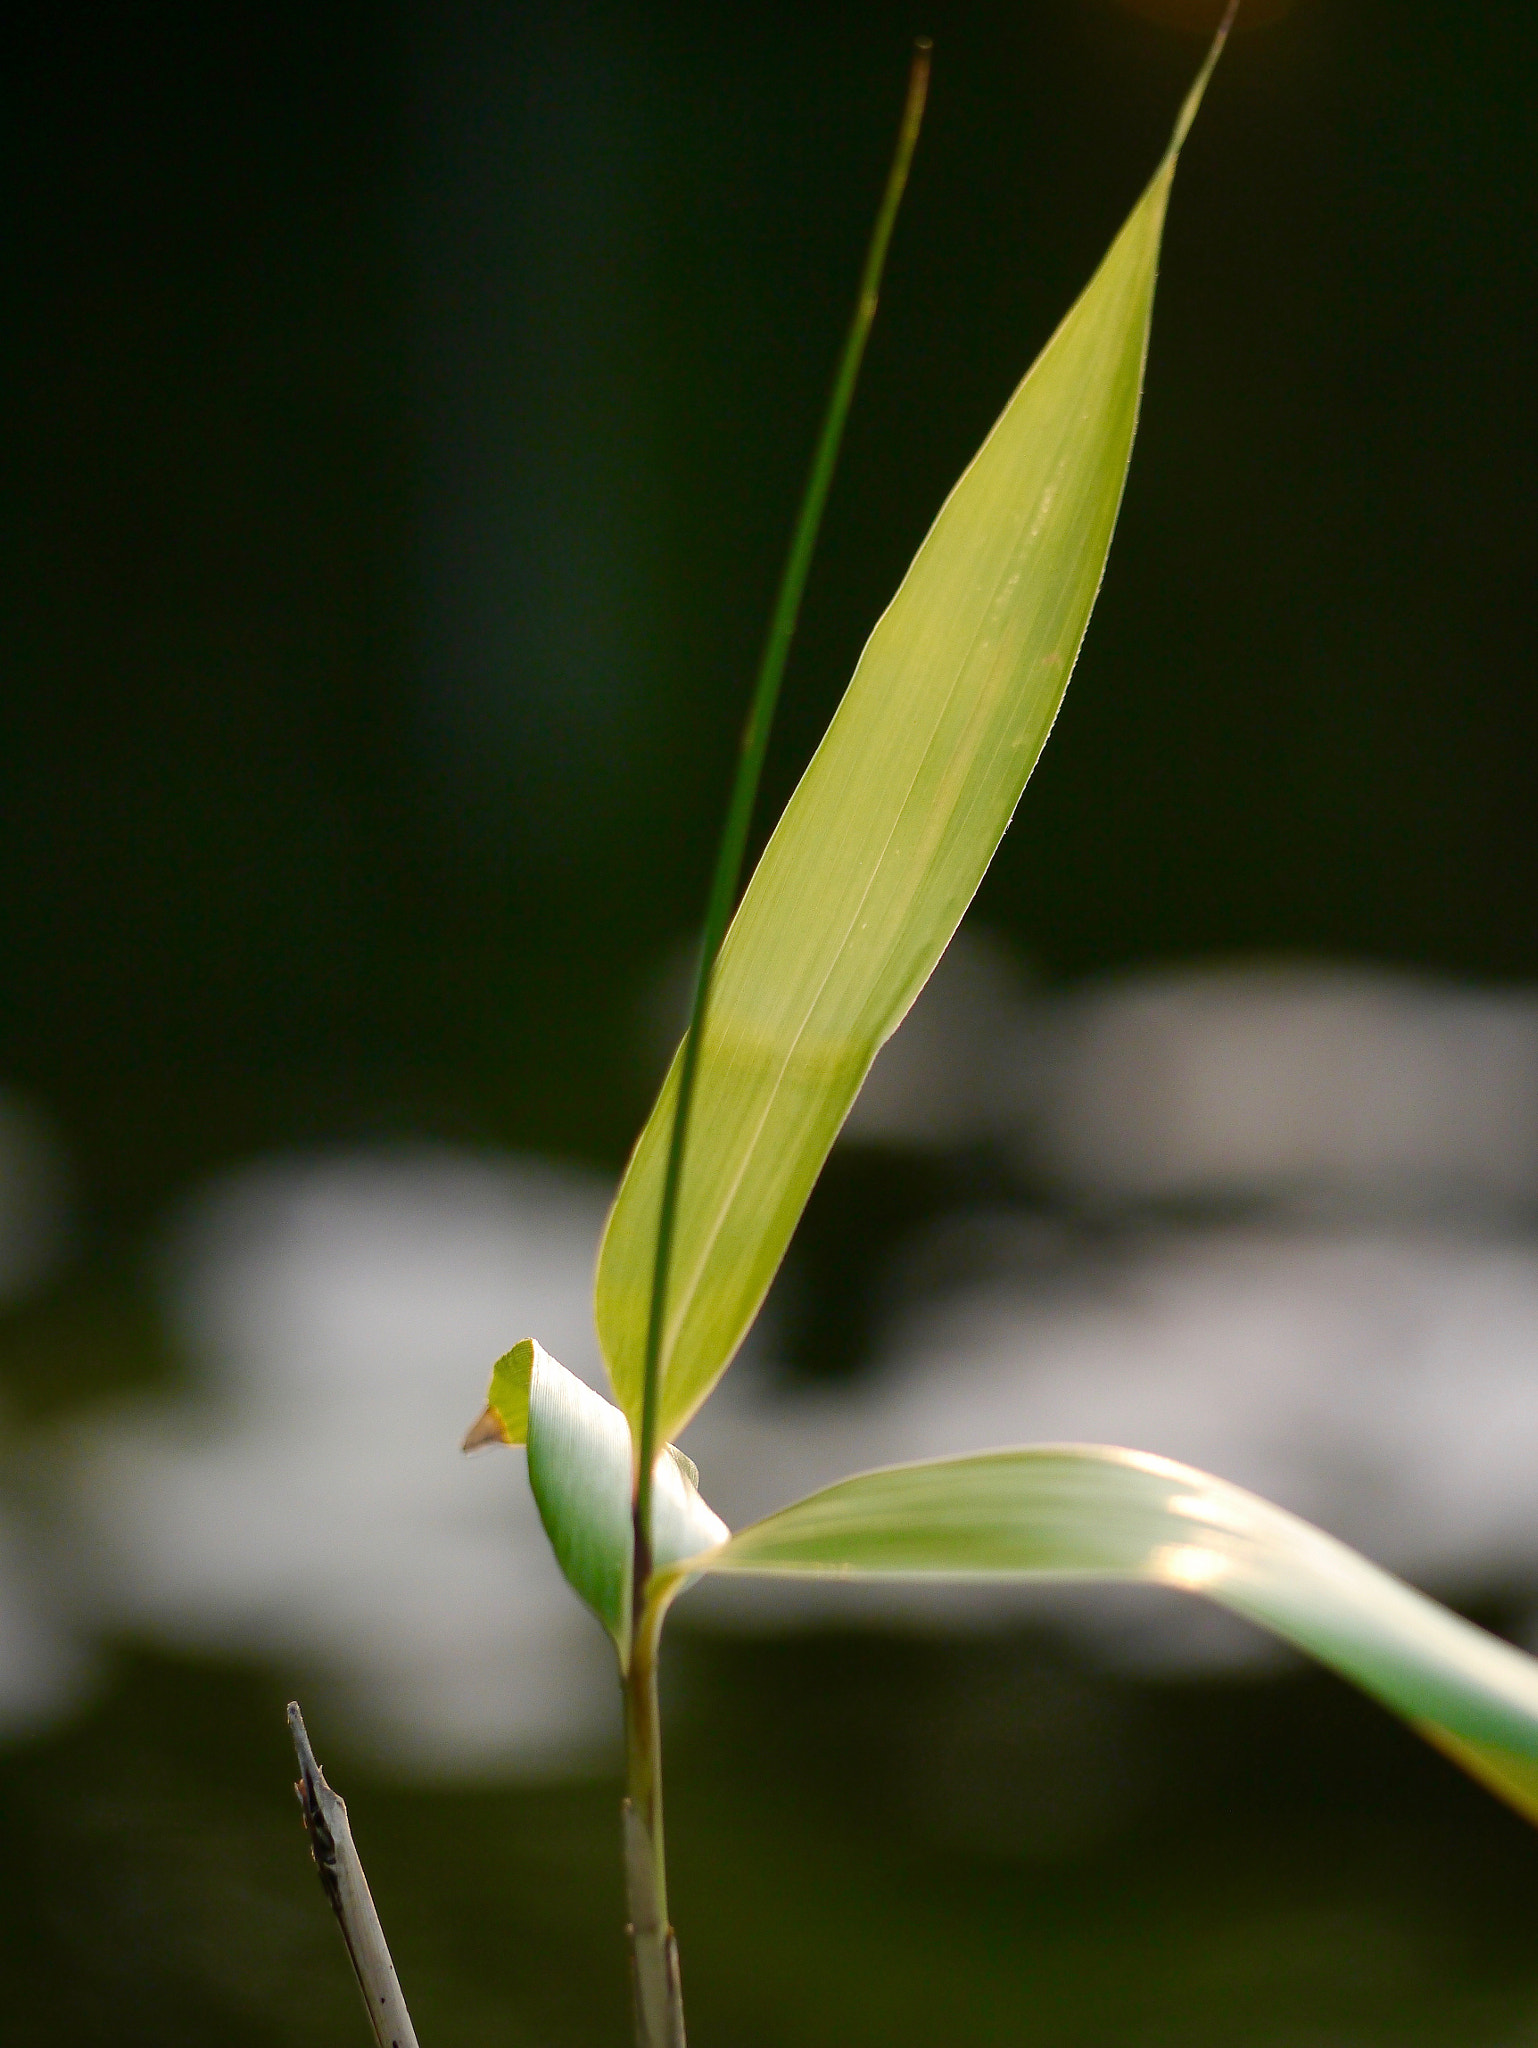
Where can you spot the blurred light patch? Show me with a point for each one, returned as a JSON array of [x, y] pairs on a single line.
[[1287, 1081], [1184, 1564], [312, 1504], [1350, 1328]]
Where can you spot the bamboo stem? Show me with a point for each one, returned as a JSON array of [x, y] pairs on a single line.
[[653, 1947], [342, 1880], [659, 2009]]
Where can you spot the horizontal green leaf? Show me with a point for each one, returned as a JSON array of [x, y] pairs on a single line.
[[883, 844], [1089, 1512], [580, 1471]]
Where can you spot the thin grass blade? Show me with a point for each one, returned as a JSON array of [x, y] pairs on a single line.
[[750, 764]]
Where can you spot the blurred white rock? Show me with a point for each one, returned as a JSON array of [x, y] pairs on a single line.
[[311, 1501], [1362, 1348], [1303, 1080]]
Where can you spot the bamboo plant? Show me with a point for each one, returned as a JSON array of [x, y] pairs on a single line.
[[862, 884]]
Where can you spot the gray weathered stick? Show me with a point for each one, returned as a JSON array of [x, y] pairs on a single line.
[[342, 1879]]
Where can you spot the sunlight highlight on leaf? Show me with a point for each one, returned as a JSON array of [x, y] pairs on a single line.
[[1075, 1511]]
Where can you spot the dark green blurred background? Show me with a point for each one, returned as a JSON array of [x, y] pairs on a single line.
[[406, 408]]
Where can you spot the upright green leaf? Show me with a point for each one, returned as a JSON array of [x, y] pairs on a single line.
[[885, 840], [1090, 1512]]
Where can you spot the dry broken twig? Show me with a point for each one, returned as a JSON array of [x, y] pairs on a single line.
[[342, 1880]]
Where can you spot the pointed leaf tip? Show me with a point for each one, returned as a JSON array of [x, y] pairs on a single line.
[[506, 1418], [1193, 98], [488, 1428]]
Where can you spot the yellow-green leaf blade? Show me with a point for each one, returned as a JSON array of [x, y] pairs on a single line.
[[1093, 1512], [507, 1398], [885, 840]]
